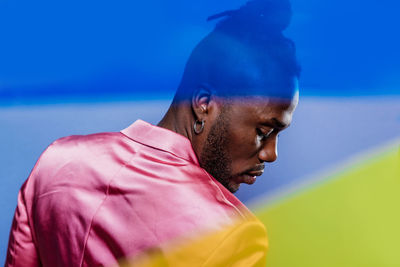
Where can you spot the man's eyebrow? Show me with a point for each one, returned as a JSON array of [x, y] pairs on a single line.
[[275, 123], [279, 124]]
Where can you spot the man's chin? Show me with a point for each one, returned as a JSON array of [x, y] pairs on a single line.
[[233, 187]]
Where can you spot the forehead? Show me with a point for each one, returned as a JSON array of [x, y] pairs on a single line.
[[281, 89], [264, 109]]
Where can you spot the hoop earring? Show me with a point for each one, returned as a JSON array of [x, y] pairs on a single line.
[[198, 131]]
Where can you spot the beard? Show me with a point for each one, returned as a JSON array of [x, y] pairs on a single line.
[[215, 158]]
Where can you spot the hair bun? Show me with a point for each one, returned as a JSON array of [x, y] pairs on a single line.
[[268, 16]]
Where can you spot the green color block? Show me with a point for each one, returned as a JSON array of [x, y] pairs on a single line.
[[352, 219]]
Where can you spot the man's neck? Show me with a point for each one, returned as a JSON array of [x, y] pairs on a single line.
[[178, 119]]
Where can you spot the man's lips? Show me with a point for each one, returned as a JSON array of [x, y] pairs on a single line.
[[250, 177], [256, 173]]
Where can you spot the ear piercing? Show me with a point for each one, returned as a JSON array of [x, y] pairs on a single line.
[[196, 128]]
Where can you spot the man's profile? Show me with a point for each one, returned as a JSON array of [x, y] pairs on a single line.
[[98, 199]]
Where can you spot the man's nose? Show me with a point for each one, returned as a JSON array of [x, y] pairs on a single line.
[[269, 152]]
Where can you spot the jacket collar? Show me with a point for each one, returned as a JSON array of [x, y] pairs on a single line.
[[162, 139]]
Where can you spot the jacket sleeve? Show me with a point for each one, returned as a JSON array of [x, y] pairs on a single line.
[[21, 247], [243, 244]]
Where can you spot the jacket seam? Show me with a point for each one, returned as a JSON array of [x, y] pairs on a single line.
[[98, 208], [222, 194]]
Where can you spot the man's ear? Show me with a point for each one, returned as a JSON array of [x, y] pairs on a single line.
[[200, 101]]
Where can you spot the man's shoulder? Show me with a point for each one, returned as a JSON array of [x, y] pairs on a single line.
[[76, 145], [71, 158], [82, 141]]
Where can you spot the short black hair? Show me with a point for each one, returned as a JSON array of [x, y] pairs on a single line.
[[246, 50]]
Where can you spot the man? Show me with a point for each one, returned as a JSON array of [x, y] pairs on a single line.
[[99, 199]]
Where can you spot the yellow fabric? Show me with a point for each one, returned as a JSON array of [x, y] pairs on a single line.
[[243, 244]]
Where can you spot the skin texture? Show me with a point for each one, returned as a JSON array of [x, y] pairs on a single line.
[[239, 135], [244, 136]]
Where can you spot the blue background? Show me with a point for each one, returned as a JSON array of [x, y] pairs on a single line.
[[95, 49], [79, 67]]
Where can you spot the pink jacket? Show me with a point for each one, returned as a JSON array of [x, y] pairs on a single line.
[[92, 200]]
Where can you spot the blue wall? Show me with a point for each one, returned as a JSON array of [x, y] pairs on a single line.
[[99, 49]]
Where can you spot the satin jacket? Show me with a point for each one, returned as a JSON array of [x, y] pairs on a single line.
[[97, 199]]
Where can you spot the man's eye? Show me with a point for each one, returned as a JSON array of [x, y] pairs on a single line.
[[263, 134]]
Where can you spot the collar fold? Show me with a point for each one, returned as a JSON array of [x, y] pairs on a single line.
[[161, 138]]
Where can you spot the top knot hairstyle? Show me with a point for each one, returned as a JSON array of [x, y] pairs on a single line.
[[246, 53], [258, 18]]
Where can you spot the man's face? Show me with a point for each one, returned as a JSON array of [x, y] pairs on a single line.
[[243, 137]]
